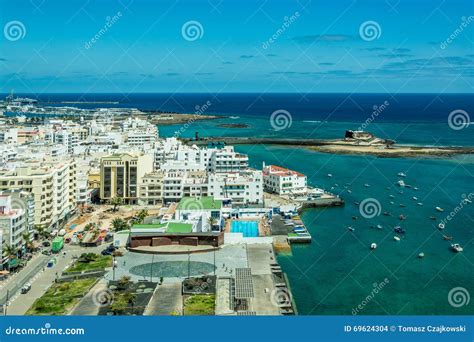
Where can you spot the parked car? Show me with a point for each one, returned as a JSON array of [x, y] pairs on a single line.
[[106, 252], [26, 288]]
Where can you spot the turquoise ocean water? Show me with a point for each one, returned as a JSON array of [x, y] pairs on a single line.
[[338, 273]]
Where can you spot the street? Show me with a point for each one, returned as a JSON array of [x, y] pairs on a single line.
[[40, 277]]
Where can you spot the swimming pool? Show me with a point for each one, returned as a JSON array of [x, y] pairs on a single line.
[[247, 228]]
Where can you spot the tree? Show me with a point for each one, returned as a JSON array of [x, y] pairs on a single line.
[[142, 214], [116, 202], [27, 238], [119, 224], [11, 253], [42, 232], [212, 222], [124, 283]]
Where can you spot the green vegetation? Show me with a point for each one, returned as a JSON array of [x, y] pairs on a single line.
[[119, 224], [89, 262], [122, 301], [61, 297], [201, 305]]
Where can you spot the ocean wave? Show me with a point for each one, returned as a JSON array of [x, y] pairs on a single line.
[[312, 121]]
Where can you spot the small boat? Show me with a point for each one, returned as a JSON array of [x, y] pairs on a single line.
[[336, 184], [441, 226], [391, 196], [402, 205], [349, 191], [432, 218], [421, 255], [448, 238], [415, 198], [396, 238], [354, 217], [401, 174], [352, 229], [415, 188], [386, 213], [456, 247], [420, 204], [400, 191], [399, 230], [373, 245], [367, 185], [329, 175], [379, 226], [439, 209], [402, 217], [356, 203], [401, 183], [392, 202]]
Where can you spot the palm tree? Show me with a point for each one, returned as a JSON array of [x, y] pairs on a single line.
[[212, 222], [27, 238], [11, 253], [42, 232], [116, 201], [119, 224]]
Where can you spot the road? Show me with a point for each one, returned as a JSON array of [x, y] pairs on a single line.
[[40, 278]]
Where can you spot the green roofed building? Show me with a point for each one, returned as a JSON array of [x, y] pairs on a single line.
[[206, 211]]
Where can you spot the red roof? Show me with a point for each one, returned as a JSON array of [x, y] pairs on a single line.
[[281, 171]]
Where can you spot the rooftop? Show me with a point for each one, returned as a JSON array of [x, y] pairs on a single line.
[[203, 203]]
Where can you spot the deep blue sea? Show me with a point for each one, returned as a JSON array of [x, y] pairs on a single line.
[[338, 273]]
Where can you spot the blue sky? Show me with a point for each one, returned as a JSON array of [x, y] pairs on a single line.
[[317, 46]]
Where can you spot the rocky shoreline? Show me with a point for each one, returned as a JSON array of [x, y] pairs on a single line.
[[343, 146]]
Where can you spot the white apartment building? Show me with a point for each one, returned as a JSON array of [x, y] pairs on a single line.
[[53, 185], [226, 160], [241, 188], [12, 223], [283, 181]]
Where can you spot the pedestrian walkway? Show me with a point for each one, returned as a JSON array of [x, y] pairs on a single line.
[[167, 300]]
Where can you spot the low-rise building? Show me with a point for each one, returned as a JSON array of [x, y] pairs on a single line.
[[283, 181]]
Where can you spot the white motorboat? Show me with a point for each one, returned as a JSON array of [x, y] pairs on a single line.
[[401, 183], [329, 175], [456, 247], [373, 245], [396, 238], [401, 174], [439, 209]]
